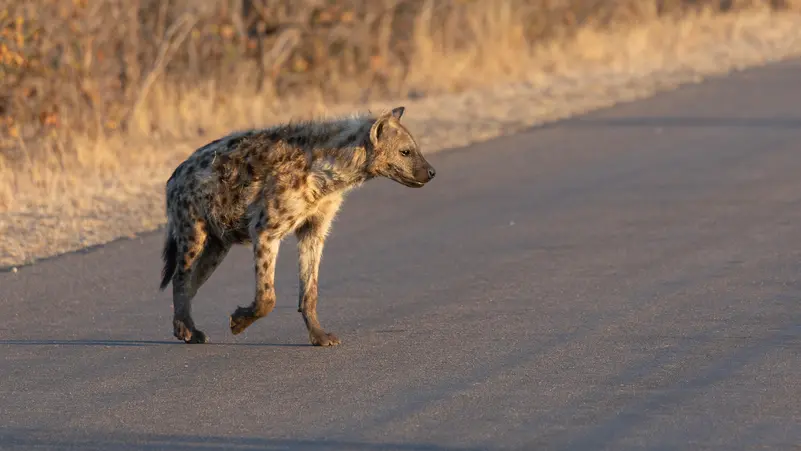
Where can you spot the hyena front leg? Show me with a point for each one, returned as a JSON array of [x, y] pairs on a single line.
[[265, 251], [311, 239]]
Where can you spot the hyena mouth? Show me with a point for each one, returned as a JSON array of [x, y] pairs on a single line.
[[405, 181], [413, 184]]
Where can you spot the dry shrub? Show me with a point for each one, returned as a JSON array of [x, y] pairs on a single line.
[[79, 78]]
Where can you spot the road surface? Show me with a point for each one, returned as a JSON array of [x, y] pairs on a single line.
[[628, 279]]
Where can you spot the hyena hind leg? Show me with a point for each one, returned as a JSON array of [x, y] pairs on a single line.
[[214, 252], [188, 273]]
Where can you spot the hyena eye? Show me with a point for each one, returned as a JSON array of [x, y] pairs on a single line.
[[405, 152]]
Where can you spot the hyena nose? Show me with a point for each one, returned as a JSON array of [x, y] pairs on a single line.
[[431, 173]]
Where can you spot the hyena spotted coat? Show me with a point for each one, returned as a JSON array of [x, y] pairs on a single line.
[[257, 186]]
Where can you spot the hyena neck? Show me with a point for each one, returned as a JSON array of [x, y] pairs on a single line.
[[342, 158], [340, 169]]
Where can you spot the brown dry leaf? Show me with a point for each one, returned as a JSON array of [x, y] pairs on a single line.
[[227, 31], [376, 62], [299, 64], [49, 119], [325, 16]]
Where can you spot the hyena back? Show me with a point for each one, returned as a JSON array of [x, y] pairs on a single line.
[[257, 186]]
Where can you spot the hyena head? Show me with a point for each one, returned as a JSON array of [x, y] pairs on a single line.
[[396, 153]]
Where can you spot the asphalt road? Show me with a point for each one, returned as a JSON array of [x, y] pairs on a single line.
[[625, 280]]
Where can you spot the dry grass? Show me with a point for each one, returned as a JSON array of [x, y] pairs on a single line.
[[84, 156]]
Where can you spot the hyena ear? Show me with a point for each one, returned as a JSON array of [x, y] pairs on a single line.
[[381, 125], [379, 128], [398, 112]]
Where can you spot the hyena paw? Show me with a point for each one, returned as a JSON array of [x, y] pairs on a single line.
[[241, 319], [187, 335], [319, 337]]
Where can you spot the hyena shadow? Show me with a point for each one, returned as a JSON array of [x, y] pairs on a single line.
[[133, 343]]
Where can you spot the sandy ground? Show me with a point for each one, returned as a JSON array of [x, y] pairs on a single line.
[[98, 210]]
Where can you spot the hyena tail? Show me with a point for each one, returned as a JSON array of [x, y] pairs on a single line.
[[169, 255]]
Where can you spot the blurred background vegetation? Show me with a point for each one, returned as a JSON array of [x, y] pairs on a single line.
[[91, 68]]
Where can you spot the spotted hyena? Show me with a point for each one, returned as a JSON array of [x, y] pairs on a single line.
[[257, 186]]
